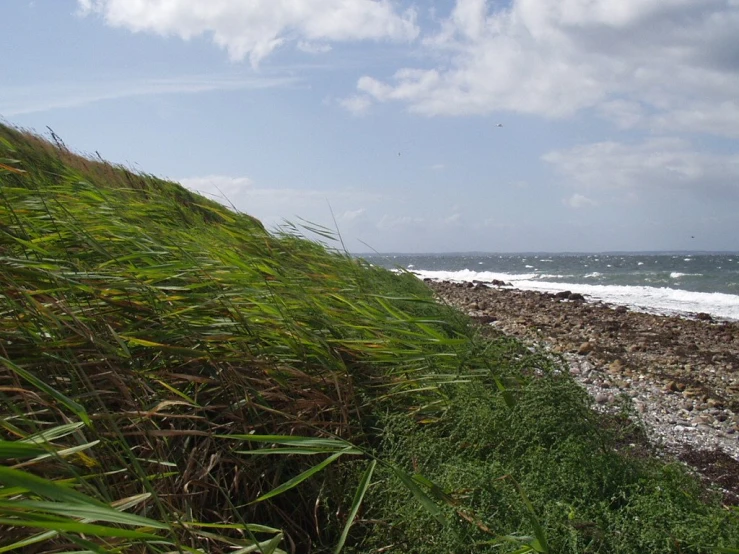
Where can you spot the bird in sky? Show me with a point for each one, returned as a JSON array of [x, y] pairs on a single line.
[[499, 125]]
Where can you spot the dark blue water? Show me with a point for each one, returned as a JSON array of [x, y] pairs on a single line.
[[663, 282], [693, 272]]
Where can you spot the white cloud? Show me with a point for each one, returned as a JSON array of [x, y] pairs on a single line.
[[255, 28], [223, 188], [624, 113], [394, 222], [350, 216], [357, 104], [19, 100], [428, 225], [578, 201], [313, 47], [665, 163], [670, 63], [719, 119], [274, 205]]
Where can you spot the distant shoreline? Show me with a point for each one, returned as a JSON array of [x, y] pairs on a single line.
[[665, 284], [552, 253]]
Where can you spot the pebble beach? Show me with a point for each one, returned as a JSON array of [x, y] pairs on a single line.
[[678, 374]]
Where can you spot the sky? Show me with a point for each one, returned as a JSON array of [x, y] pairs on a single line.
[[407, 126]]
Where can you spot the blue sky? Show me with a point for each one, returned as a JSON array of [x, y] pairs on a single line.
[[456, 125]]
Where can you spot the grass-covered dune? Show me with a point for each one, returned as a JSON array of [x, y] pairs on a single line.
[[174, 378]]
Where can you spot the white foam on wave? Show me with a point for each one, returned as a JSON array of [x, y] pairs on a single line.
[[676, 275], [651, 299], [593, 275], [469, 275]]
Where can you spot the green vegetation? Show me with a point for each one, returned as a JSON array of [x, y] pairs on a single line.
[[174, 378]]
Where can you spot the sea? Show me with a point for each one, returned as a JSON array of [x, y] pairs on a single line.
[[676, 283]]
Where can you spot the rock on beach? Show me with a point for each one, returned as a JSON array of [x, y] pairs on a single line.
[[682, 374]]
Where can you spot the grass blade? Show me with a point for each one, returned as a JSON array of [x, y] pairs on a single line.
[[84, 511], [420, 495], [80, 528], [45, 487], [70, 404], [295, 481], [356, 503], [14, 449], [540, 543]]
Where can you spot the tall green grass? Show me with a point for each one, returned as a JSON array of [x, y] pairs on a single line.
[[174, 378]]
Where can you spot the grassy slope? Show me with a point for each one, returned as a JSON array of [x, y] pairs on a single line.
[[149, 337]]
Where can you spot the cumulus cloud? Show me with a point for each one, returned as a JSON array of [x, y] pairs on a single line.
[[255, 28], [578, 201], [670, 63], [357, 104], [666, 163], [719, 119], [351, 216]]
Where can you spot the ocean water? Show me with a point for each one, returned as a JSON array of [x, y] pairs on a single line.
[[670, 283]]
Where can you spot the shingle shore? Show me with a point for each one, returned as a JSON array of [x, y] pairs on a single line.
[[682, 374]]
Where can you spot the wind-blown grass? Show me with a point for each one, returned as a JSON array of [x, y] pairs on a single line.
[[175, 378]]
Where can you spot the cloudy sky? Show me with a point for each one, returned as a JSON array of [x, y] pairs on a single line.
[[442, 125]]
